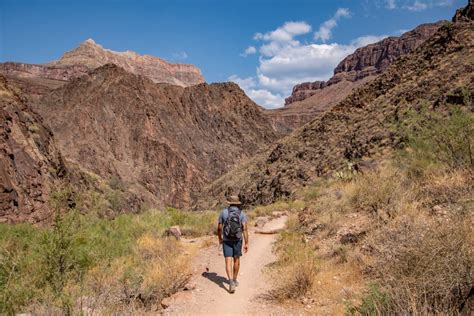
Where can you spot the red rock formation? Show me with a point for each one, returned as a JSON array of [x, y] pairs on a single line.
[[166, 139], [94, 55], [310, 98], [29, 160], [38, 79]]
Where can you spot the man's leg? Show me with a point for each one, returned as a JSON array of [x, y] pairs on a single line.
[[236, 267], [228, 267]]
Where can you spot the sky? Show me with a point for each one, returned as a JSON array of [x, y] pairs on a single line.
[[266, 46]]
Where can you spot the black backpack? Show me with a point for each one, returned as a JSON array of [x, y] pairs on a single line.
[[233, 224]]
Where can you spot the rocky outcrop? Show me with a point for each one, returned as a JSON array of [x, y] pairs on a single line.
[[30, 162], [361, 125], [375, 58], [311, 98], [165, 139], [93, 55], [31, 71], [37, 80]]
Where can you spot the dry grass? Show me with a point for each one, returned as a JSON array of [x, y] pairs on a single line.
[[138, 282], [408, 260], [295, 271], [424, 264], [446, 187]]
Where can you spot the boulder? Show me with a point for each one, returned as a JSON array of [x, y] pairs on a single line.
[[174, 231]]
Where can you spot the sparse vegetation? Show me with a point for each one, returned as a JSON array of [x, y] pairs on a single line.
[[296, 268], [108, 265], [399, 236]]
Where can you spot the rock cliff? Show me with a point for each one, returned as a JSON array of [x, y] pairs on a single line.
[[30, 162]]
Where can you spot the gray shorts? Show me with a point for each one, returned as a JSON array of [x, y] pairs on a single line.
[[232, 248]]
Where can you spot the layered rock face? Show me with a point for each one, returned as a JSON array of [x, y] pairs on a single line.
[[167, 140], [30, 162], [37, 80], [310, 98], [361, 125], [93, 55]]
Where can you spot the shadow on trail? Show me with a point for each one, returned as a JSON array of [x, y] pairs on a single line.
[[217, 279]]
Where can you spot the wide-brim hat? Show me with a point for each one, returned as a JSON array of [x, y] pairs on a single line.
[[234, 200]]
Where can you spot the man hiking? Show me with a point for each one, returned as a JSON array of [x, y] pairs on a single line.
[[232, 228]]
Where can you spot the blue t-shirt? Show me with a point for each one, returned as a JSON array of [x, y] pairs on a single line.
[[225, 214]]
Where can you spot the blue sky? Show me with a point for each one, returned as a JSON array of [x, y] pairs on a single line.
[[266, 46]]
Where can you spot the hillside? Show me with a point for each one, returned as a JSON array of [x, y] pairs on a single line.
[[162, 139], [362, 125], [30, 160], [309, 99]]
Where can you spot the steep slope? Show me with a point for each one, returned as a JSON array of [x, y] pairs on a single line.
[[440, 71], [30, 162], [311, 98], [166, 139]]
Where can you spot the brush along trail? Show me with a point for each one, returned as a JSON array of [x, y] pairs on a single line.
[[209, 291]]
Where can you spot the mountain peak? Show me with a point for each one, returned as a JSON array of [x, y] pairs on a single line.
[[89, 41], [93, 55]]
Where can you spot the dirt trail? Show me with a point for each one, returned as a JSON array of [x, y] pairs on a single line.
[[210, 296]]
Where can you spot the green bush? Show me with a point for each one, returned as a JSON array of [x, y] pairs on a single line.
[[435, 138], [374, 302], [47, 266]]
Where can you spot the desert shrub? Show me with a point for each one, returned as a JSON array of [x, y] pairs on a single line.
[[425, 266], [381, 193], [435, 138], [16, 262], [446, 187], [267, 210], [296, 269], [63, 259], [373, 302]]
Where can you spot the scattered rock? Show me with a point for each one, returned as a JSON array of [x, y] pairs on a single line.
[[261, 221], [174, 231], [190, 286], [439, 210]]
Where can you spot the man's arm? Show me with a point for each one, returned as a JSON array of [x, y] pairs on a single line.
[[246, 237], [219, 232]]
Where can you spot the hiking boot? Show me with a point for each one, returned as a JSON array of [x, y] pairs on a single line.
[[236, 283], [231, 286]]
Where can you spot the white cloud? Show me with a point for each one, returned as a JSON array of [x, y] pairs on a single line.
[[246, 83], [180, 55], [391, 4], [443, 3], [285, 61], [366, 40], [417, 6], [263, 97], [266, 99], [249, 51], [325, 30], [285, 33]]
